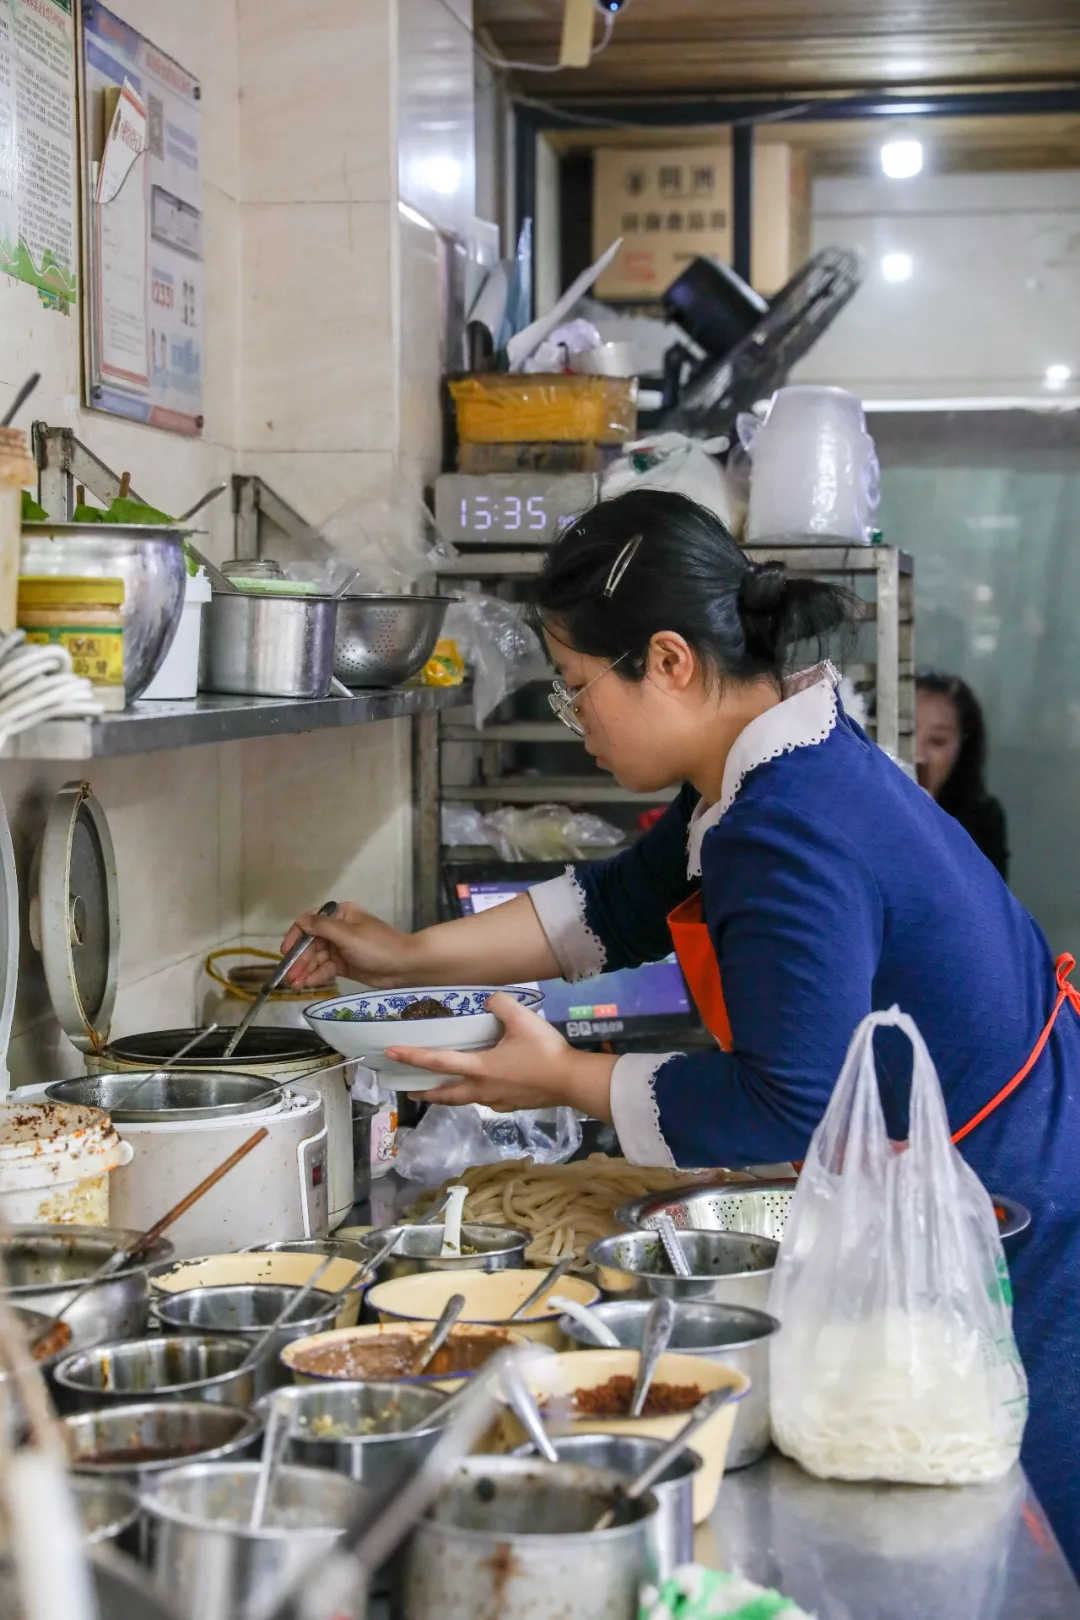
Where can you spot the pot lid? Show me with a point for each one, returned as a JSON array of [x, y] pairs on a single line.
[[79, 916], [9, 944], [263, 1044]]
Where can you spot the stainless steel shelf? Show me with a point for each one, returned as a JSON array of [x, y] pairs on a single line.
[[151, 727], [550, 789]]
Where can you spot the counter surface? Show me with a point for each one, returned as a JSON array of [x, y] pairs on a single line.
[[891, 1552], [872, 1552]]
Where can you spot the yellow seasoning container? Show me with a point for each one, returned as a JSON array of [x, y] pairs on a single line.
[[16, 470], [85, 616], [445, 667]]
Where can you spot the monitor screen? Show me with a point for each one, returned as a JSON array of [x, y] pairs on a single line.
[[631, 1002]]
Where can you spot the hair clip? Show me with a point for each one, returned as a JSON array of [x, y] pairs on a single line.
[[621, 564]]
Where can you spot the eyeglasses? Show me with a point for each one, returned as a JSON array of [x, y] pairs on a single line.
[[564, 699]]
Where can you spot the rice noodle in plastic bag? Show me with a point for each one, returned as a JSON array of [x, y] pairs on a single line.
[[896, 1358]]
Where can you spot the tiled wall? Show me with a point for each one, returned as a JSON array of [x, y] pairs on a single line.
[[324, 352], [175, 817]]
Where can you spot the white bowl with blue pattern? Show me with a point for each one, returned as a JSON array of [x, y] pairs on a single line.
[[363, 1026]]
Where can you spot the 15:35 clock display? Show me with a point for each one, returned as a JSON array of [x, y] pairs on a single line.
[[509, 508]]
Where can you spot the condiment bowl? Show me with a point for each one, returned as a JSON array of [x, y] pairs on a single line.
[[629, 1455], [245, 1311], [43, 1265], [729, 1334], [732, 1268], [181, 1368], [109, 1510], [129, 1442], [485, 1248], [357, 1428], [557, 1380], [204, 1552], [282, 1268], [363, 1026], [490, 1298], [379, 1350], [511, 1536]]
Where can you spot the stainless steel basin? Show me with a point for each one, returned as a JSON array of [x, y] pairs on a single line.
[[150, 561]]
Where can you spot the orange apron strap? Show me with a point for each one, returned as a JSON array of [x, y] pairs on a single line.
[[1066, 993], [697, 958]]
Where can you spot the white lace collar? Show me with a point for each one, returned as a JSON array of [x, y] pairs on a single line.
[[806, 716]]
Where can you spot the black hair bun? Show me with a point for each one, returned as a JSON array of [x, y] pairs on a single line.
[[762, 589]]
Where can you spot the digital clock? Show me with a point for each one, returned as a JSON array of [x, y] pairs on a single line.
[[516, 509]]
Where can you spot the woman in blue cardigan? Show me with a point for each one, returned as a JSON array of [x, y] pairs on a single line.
[[804, 881]]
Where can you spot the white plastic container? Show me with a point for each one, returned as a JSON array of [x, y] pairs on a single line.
[[55, 1162], [178, 676], [814, 469]]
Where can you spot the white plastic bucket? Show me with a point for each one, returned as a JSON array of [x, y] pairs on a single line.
[[178, 676], [55, 1161]]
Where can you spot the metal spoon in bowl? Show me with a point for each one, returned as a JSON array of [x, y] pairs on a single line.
[[275, 1440], [654, 1341], [559, 1269], [587, 1319], [264, 1341], [663, 1460], [170, 1063], [438, 1336], [669, 1237], [522, 1403], [288, 961]]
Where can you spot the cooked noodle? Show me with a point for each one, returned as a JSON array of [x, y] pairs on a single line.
[[564, 1207], [908, 1396]]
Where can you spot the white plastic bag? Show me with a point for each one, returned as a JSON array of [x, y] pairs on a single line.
[[896, 1358], [672, 461], [503, 653], [448, 1140]]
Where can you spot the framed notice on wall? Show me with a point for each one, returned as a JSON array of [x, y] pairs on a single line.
[[37, 147], [143, 227]]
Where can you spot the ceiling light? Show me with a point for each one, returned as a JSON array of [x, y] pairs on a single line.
[[902, 160], [897, 266], [1057, 375]]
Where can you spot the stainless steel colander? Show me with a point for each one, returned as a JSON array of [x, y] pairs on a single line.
[[382, 640], [761, 1210]]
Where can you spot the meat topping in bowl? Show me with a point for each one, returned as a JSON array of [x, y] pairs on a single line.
[[612, 1400], [393, 1355]]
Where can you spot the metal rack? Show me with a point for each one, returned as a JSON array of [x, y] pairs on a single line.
[[482, 770]]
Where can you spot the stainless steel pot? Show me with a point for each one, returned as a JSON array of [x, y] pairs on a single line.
[[497, 1248], [124, 1590], [729, 1334], [44, 1265], [733, 1268], [512, 1537], [132, 1442], [166, 1369], [630, 1455], [109, 1510], [267, 1052], [172, 1097], [245, 1311], [206, 1557], [383, 640], [326, 1423], [150, 561], [261, 645]]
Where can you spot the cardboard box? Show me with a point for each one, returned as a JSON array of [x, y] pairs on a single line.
[[673, 204]]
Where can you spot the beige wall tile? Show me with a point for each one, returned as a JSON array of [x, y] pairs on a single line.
[[316, 113], [341, 827], [317, 325], [422, 265]]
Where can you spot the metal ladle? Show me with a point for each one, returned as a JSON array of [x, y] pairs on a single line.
[[330, 1295], [654, 1341], [669, 1237], [438, 1335], [288, 961], [663, 1460], [522, 1403], [559, 1269]]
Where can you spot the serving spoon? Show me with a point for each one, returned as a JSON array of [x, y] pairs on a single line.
[[654, 1341], [663, 1460]]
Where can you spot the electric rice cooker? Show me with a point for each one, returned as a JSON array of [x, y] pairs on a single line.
[[75, 924]]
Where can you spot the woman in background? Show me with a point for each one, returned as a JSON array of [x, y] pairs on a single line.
[[950, 756]]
